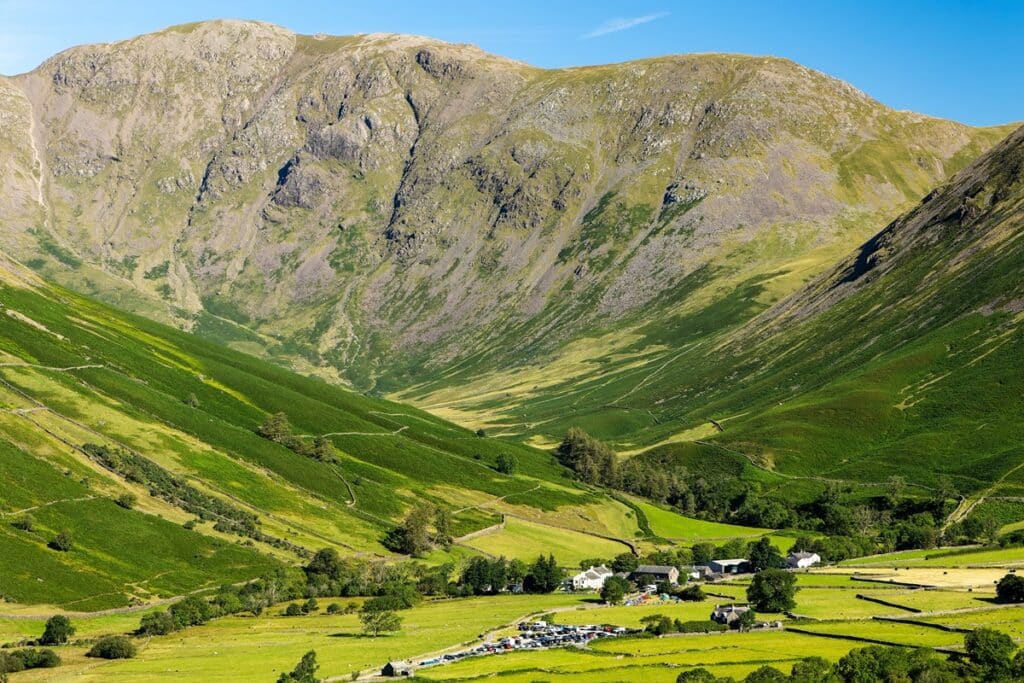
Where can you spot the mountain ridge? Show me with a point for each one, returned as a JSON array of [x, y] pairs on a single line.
[[407, 215]]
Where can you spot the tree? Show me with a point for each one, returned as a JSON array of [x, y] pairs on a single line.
[[58, 630], [624, 562], [412, 536], [813, 670], [658, 624], [443, 527], [156, 624], [326, 563], [275, 428], [765, 674], [881, 663], [310, 606], [375, 623], [544, 575], [698, 675], [772, 590], [323, 449], [112, 647], [703, 553], [126, 500], [293, 610], [62, 542], [763, 555], [1010, 589], [592, 461], [746, 621], [304, 671], [334, 608], [507, 463], [481, 433], [990, 650], [614, 589]]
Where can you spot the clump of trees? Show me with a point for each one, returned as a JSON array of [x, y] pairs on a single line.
[[112, 647], [659, 625], [13, 661], [276, 428], [989, 656], [425, 526]]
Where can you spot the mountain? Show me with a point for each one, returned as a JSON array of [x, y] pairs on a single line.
[[99, 406], [441, 225], [902, 360]]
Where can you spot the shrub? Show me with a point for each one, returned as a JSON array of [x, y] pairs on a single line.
[[13, 661], [692, 594], [507, 463], [112, 647], [62, 542], [334, 608], [293, 610], [24, 523], [126, 500]]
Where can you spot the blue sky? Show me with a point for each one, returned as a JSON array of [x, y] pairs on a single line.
[[959, 60]]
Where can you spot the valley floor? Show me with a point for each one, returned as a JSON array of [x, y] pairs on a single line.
[[902, 599]]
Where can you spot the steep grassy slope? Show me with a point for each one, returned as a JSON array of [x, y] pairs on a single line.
[[904, 359], [407, 214], [182, 412]]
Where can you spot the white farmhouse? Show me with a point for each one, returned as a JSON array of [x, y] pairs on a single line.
[[591, 579], [802, 560]]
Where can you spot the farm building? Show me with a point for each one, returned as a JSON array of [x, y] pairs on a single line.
[[655, 573], [400, 668], [698, 572], [733, 566], [727, 614], [802, 560], [591, 579]]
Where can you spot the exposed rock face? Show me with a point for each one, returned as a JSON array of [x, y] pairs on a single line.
[[390, 205]]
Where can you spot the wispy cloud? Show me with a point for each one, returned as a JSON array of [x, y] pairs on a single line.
[[623, 23]]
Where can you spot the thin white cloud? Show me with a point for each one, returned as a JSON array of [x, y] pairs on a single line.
[[621, 24]]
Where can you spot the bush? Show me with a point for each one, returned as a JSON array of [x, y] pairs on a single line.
[[62, 542], [293, 610], [24, 523], [692, 594], [13, 661], [334, 608], [57, 631], [507, 463], [112, 647], [126, 500], [156, 624]]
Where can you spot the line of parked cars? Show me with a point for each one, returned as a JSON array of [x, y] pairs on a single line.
[[535, 635]]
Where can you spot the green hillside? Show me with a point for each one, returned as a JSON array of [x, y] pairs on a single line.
[[903, 360], [97, 404]]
